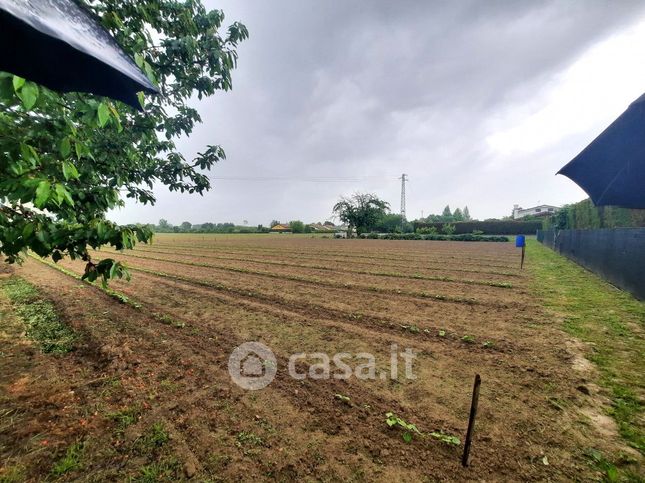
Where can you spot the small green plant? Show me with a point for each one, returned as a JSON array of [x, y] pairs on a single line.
[[71, 460], [248, 438], [469, 339], [155, 437], [488, 345], [446, 438], [168, 320], [442, 333], [409, 429], [165, 470], [611, 472], [124, 418], [411, 328]]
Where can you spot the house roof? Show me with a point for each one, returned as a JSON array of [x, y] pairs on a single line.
[[281, 227]]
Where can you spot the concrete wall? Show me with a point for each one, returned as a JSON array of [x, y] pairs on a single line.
[[617, 255]]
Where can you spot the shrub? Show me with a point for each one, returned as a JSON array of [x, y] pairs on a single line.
[[426, 230], [448, 229]]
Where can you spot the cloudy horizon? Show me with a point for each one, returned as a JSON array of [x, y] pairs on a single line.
[[478, 103]]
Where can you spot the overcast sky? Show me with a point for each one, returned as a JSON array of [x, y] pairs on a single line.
[[480, 103]]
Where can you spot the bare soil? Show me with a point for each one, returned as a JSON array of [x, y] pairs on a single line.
[[128, 361]]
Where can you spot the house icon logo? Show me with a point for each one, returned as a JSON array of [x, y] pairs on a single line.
[[252, 366]]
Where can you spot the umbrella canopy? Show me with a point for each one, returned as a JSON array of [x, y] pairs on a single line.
[[612, 168], [58, 44]]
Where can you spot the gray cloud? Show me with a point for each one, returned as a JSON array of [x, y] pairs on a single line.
[[376, 88]]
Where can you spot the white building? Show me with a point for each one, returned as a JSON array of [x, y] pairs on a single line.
[[540, 210]]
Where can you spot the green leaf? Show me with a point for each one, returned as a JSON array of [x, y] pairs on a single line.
[[138, 59], [103, 113], [113, 269], [150, 72], [142, 99], [407, 437], [29, 154], [18, 82], [28, 94], [65, 147], [63, 195], [28, 230], [101, 230], [69, 171], [42, 193]]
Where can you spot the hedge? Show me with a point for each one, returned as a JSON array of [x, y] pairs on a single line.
[[488, 227], [416, 236]]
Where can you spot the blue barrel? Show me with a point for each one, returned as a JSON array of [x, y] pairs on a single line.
[[520, 241]]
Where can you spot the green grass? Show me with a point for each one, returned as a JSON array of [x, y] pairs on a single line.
[[165, 470], [39, 315], [610, 320], [154, 438], [71, 460], [125, 418]]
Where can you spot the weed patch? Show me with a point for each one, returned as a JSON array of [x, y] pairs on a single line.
[[39, 315], [71, 461]]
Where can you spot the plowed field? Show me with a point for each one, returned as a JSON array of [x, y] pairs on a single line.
[[162, 362]]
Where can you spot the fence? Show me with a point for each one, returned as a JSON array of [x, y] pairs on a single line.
[[617, 255]]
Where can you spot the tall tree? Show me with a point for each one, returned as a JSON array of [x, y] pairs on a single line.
[[297, 226], [66, 159], [466, 214], [447, 214], [361, 211], [164, 225], [458, 215]]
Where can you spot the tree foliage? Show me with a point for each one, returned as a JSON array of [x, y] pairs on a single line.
[[361, 211], [585, 215], [297, 226], [66, 159]]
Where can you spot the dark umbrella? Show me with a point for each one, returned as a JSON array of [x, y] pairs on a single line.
[[59, 45], [612, 168]]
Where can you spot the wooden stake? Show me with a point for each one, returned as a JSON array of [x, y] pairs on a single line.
[[522, 262], [471, 419]]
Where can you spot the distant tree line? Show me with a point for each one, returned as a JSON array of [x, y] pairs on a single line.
[[448, 216], [186, 227]]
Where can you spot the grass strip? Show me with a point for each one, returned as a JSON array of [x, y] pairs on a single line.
[[611, 321], [44, 326]]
